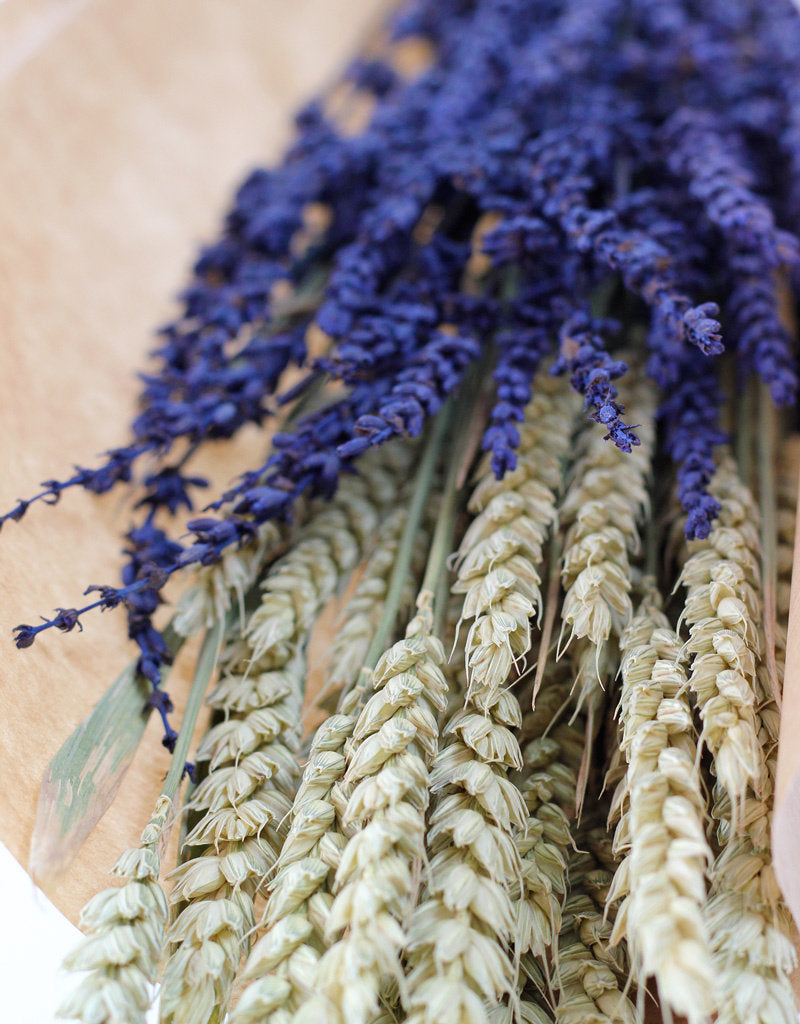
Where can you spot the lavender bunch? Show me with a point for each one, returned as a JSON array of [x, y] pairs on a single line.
[[526, 115]]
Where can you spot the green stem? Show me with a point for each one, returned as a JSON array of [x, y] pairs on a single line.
[[405, 549], [743, 428], [206, 663], [442, 541], [651, 543], [551, 606]]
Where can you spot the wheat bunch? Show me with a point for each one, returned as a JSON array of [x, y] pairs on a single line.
[[661, 826], [126, 927], [393, 742], [602, 510], [723, 610], [252, 754], [501, 554]]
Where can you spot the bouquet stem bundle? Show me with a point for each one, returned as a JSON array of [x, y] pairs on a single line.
[[504, 317]]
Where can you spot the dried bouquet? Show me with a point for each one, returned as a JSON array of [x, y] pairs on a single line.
[[518, 309]]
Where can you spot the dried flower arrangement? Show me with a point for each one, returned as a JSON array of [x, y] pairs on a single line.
[[541, 789]]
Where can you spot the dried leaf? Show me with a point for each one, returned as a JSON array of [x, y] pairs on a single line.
[[81, 781]]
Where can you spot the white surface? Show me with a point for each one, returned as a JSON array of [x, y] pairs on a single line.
[[34, 939]]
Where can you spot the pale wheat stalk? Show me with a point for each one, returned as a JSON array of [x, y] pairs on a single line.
[[723, 610], [457, 958], [501, 554], [660, 831], [602, 511], [394, 741], [127, 927], [363, 611], [252, 755], [753, 952], [786, 486]]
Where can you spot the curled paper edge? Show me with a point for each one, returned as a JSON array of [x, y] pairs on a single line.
[[786, 816]]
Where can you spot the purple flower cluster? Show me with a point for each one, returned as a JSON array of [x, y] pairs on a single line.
[[648, 150]]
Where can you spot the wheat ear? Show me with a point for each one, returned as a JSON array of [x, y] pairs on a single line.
[[753, 952], [126, 926], [548, 784], [566, 889], [458, 959], [723, 610], [282, 964], [602, 510], [501, 554], [589, 990], [252, 755], [393, 742], [662, 810]]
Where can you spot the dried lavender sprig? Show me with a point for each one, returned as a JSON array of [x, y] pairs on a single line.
[[591, 372], [691, 419]]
